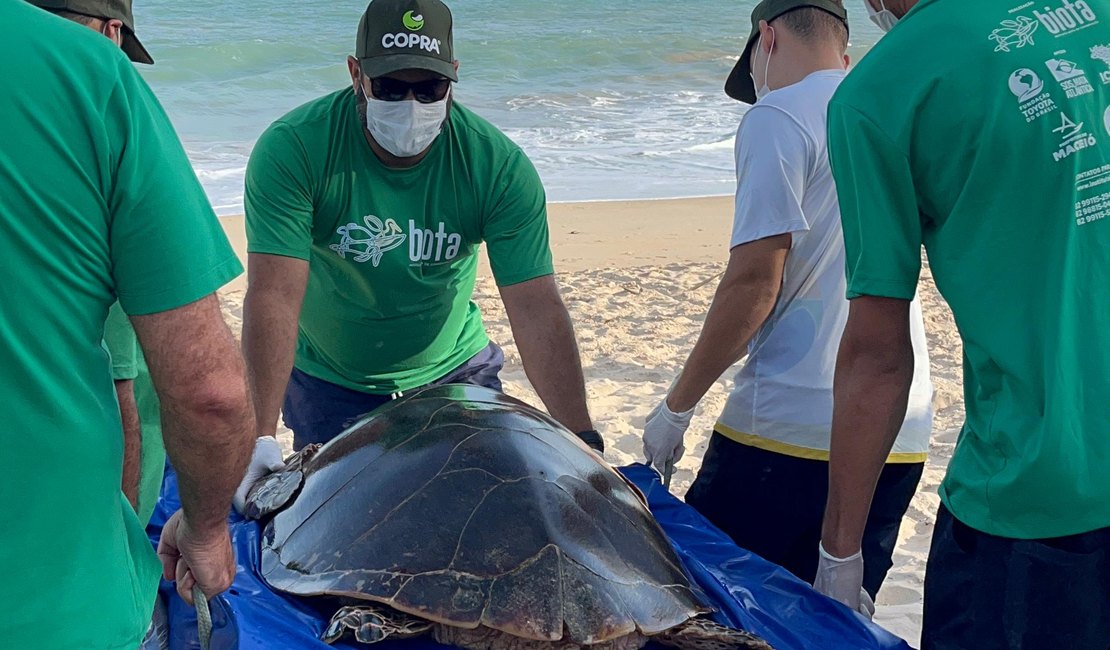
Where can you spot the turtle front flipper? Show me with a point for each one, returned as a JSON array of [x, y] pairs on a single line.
[[372, 624], [270, 493], [703, 634]]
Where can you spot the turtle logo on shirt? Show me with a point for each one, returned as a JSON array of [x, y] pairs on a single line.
[[368, 242], [1017, 33]]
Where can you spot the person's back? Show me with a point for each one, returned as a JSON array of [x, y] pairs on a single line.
[[1009, 160], [91, 196]]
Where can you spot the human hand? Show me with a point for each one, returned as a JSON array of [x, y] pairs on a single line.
[[193, 557], [663, 435], [842, 579], [265, 460]]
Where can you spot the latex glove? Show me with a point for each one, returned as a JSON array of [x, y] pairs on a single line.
[[265, 460], [663, 433], [842, 579], [193, 557]]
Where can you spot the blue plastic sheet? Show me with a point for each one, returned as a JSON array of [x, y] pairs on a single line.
[[748, 592]]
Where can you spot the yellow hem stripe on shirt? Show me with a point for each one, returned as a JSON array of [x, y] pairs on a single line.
[[807, 453]]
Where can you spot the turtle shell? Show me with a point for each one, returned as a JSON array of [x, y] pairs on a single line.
[[469, 508]]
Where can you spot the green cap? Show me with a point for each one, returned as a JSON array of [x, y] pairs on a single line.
[[401, 34], [111, 9], [739, 85]]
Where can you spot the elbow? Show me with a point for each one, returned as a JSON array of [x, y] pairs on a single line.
[[213, 402]]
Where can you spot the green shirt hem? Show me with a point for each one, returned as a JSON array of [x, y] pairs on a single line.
[[184, 294]]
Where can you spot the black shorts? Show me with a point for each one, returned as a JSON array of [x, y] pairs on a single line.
[[987, 592], [773, 505]]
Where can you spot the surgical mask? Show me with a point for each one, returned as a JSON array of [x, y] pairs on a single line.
[[884, 19], [405, 128], [762, 91]]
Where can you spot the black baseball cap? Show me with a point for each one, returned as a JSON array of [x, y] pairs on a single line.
[[400, 34], [739, 85], [111, 9]]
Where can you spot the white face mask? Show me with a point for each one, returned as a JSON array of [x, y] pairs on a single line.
[[884, 18], [405, 128], [761, 91]]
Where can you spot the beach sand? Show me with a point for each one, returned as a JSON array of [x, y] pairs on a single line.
[[638, 278]]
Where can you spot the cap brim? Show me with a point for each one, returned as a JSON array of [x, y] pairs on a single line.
[[377, 66], [134, 49], [739, 85]]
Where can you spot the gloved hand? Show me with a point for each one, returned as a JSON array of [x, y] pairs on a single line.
[[663, 433], [842, 579], [265, 460]]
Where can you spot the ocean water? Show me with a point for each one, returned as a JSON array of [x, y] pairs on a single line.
[[611, 99]]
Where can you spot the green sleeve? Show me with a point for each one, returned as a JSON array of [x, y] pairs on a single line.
[[167, 246], [278, 198], [515, 229], [878, 207], [122, 345]]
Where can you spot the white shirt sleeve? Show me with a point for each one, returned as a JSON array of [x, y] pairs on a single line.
[[774, 159]]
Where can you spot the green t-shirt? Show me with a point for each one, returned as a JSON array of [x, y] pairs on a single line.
[[128, 362], [991, 146], [99, 203], [392, 253]]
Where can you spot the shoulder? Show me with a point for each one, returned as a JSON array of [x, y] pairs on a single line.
[[769, 128], [311, 123], [478, 135]]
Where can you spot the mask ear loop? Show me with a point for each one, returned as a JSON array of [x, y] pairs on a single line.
[[767, 66]]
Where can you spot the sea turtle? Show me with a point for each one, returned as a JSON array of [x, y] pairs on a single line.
[[464, 513]]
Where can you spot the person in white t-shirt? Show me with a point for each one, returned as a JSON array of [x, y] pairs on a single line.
[[782, 300]]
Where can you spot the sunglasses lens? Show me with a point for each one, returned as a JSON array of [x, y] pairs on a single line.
[[395, 90]]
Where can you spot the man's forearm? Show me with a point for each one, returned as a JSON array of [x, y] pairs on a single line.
[[738, 310], [870, 393], [549, 352], [132, 440], [269, 346]]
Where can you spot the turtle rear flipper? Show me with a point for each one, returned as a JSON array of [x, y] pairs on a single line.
[[270, 493], [373, 624], [704, 634]]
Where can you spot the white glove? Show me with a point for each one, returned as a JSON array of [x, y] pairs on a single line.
[[842, 579], [663, 434], [265, 460]]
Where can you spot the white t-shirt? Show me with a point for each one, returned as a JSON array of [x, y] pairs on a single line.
[[783, 399]]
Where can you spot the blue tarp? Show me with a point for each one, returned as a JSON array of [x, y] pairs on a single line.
[[748, 592]]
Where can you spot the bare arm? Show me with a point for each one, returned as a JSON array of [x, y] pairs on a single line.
[[744, 299], [206, 416], [276, 287], [545, 337], [874, 370], [132, 440]]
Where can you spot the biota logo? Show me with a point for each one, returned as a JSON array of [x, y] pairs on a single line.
[[412, 23], [436, 246], [1069, 17], [409, 39]]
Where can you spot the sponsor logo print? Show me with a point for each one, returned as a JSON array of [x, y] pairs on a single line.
[[426, 245], [369, 242], [1102, 53], [1072, 138], [1106, 120], [1067, 18], [1025, 84], [1072, 79], [411, 22]]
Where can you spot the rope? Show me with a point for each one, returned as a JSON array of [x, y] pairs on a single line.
[[204, 618]]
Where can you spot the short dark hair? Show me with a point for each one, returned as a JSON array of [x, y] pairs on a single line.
[[80, 19], [815, 24]]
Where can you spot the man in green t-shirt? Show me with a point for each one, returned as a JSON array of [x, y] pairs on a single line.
[[144, 456], [100, 204], [981, 130], [366, 210]]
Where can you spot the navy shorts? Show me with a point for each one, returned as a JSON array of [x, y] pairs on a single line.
[[987, 592], [773, 505], [317, 410]]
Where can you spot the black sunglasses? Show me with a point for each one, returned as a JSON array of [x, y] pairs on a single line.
[[394, 90]]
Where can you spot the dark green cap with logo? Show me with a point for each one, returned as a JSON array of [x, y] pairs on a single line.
[[402, 34], [739, 85], [110, 9]]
